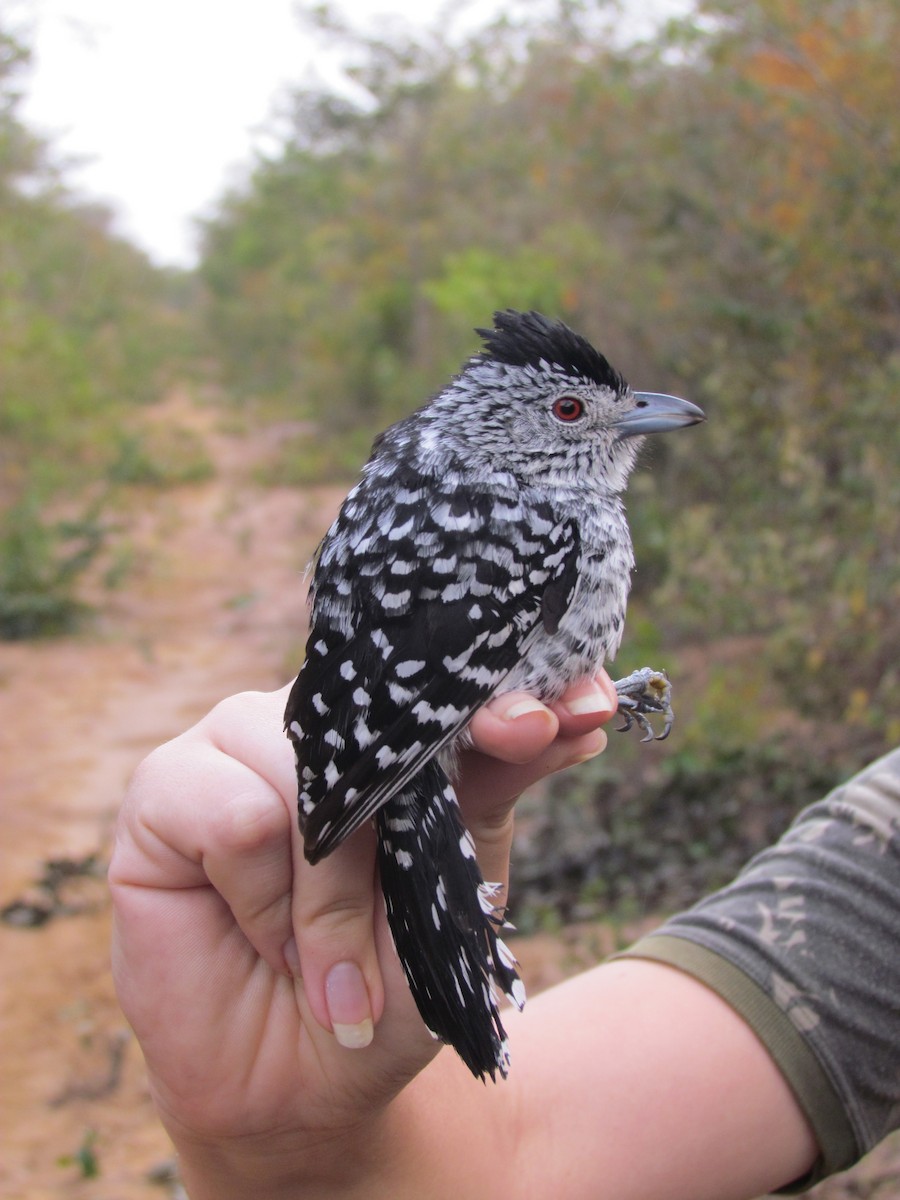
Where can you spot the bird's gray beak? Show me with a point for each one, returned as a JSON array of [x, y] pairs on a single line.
[[655, 412]]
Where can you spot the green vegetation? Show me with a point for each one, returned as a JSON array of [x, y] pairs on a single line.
[[89, 333], [715, 207], [85, 1157], [615, 840], [40, 562]]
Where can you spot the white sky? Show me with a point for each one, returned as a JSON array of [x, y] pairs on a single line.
[[161, 101]]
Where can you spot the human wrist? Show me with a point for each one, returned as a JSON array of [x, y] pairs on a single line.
[[283, 1165]]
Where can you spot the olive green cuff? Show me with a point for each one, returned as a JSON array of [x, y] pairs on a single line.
[[792, 1054]]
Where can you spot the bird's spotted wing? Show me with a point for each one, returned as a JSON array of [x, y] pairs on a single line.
[[415, 625]]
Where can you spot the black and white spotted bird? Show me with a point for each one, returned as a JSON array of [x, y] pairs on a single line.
[[484, 550]]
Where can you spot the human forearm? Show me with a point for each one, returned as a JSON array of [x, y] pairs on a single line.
[[633, 1081], [799, 945], [637, 1075]]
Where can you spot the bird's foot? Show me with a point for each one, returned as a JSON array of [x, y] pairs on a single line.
[[642, 693]]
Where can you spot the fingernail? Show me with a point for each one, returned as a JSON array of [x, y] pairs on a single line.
[[522, 708], [592, 703], [347, 999]]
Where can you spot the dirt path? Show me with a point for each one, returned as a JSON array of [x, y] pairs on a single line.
[[214, 605]]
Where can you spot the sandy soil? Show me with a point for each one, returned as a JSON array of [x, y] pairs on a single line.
[[214, 605]]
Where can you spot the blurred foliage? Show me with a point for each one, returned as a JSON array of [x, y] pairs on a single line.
[[85, 1157], [715, 206], [160, 457], [90, 332], [621, 842], [40, 562], [305, 457]]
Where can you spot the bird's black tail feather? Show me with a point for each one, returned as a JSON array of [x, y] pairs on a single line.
[[444, 921]]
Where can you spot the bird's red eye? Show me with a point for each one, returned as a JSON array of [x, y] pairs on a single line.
[[567, 408]]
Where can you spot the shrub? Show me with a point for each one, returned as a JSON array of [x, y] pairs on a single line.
[[41, 560]]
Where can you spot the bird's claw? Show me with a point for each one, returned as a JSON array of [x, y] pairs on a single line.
[[644, 692]]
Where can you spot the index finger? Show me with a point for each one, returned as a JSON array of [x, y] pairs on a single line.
[[517, 740], [210, 809]]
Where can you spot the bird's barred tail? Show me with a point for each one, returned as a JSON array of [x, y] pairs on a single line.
[[444, 921]]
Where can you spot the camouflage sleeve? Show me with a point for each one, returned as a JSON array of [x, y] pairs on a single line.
[[804, 945]]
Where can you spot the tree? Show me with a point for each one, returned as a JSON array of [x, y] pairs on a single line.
[[714, 205], [86, 324]]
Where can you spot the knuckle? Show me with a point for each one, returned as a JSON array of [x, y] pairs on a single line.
[[251, 821], [334, 915], [234, 709], [494, 828], [153, 770], [268, 912]]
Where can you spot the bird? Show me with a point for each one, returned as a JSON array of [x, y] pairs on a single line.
[[484, 549]]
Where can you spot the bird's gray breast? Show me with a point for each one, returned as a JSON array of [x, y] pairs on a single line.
[[590, 631]]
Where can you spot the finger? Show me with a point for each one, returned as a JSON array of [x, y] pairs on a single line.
[[197, 816], [327, 938], [514, 728], [517, 741], [334, 930], [517, 727], [249, 728], [586, 705], [249, 857]]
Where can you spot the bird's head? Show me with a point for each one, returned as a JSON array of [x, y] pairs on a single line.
[[541, 402]]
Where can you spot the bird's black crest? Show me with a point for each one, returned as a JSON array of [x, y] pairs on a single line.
[[526, 339]]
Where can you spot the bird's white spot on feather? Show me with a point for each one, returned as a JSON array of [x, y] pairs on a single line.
[[395, 600], [363, 734], [466, 845], [385, 756], [401, 531], [412, 666], [446, 716]]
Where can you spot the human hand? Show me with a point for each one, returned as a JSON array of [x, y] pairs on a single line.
[[242, 968]]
